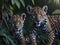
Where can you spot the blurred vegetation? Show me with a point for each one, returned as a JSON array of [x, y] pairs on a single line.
[[55, 4], [57, 11], [17, 7]]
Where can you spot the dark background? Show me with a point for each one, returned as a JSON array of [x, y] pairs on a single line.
[[51, 6]]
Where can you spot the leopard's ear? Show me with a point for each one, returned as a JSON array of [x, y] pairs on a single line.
[[45, 8], [29, 9], [23, 15]]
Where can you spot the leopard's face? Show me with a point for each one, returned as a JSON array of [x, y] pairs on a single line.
[[38, 14], [18, 21]]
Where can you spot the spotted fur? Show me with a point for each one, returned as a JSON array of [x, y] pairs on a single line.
[[18, 22], [38, 15]]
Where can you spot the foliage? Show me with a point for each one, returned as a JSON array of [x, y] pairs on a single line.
[[7, 39], [17, 2], [57, 2], [8, 5], [33, 2], [57, 11], [5, 36], [58, 40]]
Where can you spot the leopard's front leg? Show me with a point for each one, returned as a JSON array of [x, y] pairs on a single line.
[[32, 40], [50, 38]]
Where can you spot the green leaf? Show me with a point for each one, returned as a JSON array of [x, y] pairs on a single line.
[[57, 11], [7, 37], [17, 3], [3, 6], [5, 22], [33, 2], [22, 1], [11, 7], [13, 2], [6, 41], [11, 11]]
